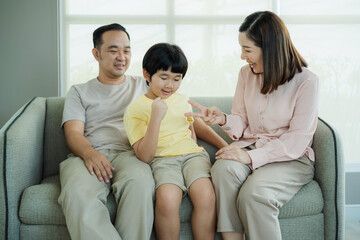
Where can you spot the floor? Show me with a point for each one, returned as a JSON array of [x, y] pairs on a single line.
[[352, 230]]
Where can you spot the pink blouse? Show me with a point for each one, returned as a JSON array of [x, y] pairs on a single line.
[[281, 124]]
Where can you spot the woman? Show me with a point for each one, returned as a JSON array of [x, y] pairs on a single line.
[[273, 120]]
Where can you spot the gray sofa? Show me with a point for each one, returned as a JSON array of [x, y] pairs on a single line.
[[32, 145]]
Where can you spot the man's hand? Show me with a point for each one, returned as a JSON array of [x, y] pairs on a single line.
[[94, 161], [211, 115], [98, 163]]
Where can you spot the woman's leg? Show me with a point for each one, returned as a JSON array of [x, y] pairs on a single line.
[[167, 218], [266, 190], [228, 176]]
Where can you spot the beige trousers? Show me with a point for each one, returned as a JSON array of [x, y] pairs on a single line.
[[83, 196], [249, 201]]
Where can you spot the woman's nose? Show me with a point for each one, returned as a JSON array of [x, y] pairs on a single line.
[[242, 56]]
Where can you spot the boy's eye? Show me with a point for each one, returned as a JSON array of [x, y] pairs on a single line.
[[164, 79], [176, 80]]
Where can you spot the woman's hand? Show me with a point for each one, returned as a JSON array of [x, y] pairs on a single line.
[[211, 116], [233, 152]]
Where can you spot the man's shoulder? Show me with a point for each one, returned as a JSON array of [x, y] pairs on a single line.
[[135, 79], [84, 85]]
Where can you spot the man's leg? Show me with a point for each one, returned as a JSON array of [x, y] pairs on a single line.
[[134, 188], [82, 200]]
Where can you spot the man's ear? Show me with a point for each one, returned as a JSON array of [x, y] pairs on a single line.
[[146, 75], [96, 54]]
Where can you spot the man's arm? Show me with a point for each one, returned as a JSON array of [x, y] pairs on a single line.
[[95, 162], [207, 134]]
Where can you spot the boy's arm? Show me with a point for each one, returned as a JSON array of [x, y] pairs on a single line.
[[193, 134], [145, 148], [207, 134]]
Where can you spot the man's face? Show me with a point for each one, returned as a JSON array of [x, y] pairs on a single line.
[[114, 55]]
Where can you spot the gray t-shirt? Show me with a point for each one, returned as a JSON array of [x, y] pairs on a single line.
[[102, 107]]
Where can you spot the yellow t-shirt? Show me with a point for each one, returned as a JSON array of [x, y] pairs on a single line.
[[174, 136]]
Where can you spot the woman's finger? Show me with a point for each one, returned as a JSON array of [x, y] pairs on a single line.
[[197, 106]]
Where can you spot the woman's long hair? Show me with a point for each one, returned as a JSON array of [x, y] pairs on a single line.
[[281, 60]]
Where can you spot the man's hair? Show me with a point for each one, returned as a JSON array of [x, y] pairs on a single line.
[[97, 34], [163, 56], [281, 60]]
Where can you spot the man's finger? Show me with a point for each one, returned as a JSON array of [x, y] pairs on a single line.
[[108, 170], [98, 174]]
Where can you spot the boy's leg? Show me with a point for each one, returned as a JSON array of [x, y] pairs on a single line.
[[167, 218], [203, 218], [133, 187], [196, 172], [82, 200], [170, 187]]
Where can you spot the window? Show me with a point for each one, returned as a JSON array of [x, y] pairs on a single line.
[[326, 33]]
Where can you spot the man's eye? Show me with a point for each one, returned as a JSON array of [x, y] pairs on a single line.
[[113, 51]]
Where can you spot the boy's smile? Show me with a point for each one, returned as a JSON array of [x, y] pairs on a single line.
[[163, 84]]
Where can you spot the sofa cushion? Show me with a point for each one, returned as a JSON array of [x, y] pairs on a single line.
[[39, 204], [307, 201]]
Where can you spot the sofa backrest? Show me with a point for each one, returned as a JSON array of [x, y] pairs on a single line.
[[55, 148]]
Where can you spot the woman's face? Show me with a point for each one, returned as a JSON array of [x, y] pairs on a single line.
[[250, 53]]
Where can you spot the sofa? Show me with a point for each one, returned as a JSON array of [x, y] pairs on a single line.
[[32, 145]]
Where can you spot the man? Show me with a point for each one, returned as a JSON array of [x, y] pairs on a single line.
[[102, 159]]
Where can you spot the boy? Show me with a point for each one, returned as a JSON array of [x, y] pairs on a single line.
[[161, 135]]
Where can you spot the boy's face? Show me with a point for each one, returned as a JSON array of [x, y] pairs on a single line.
[[163, 84]]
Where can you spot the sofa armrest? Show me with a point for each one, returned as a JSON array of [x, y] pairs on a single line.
[[329, 173], [21, 161]]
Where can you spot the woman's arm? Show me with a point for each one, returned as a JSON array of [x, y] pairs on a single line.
[[293, 143]]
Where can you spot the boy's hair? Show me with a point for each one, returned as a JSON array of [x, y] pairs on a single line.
[[97, 34], [163, 56], [281, 60]]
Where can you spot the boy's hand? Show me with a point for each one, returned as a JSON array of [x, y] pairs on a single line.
[[159, 109], [211, 116]]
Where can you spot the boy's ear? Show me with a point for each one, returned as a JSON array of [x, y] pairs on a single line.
[[146, 75]]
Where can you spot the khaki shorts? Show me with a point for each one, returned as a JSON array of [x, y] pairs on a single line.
[[181, 170]]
